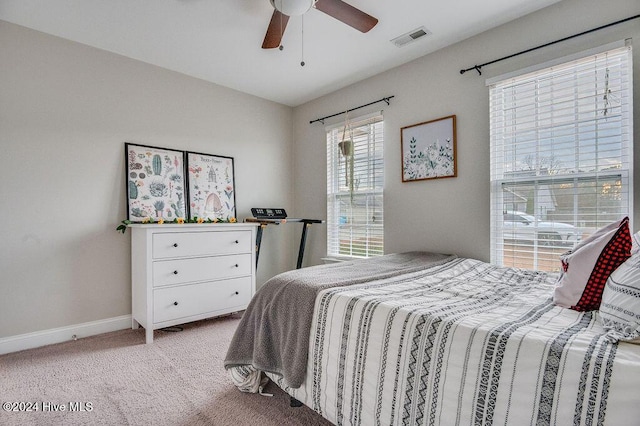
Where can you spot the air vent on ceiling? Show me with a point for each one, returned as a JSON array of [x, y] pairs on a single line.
[[411, 36]]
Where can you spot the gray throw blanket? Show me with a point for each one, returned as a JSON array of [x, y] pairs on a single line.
[[274, 332]]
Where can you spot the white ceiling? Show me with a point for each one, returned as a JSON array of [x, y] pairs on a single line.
[[220, 40]]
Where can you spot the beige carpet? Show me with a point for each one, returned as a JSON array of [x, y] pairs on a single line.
[[179, 379]]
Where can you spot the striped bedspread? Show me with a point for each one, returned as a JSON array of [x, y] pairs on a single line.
[[464, 343]]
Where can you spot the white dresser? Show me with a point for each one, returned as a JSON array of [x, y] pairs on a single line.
[[187, 272]]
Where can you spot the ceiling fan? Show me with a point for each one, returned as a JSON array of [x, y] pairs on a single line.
[[338, 9]]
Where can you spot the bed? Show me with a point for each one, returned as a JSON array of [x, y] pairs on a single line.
[[430, 339]]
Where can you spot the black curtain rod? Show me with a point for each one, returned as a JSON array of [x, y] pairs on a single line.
[[352, 109], [479, 67]]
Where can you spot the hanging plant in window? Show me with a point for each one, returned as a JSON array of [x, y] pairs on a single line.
[[346, 150]]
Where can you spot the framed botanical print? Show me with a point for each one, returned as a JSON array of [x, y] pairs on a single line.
[[155, 183], [211, 183], [429, 149]]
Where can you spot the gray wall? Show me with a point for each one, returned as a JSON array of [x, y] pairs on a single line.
[[65, 112], [452, 215]]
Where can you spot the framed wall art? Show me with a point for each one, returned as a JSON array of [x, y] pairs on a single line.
[[155, 183], [211, 186], [429, 149]]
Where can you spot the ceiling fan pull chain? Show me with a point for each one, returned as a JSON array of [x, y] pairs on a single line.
[[281, 31], [302, 61]]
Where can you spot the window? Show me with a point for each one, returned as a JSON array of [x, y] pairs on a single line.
[[561, 153], [354, 195]]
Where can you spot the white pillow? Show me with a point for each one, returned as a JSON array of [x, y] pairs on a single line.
[[635, 239], [620, 307], [585, 269]]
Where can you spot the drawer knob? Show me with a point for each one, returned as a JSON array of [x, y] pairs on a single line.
[[237, 265], [237, 292], [175, 303], [175, 244], [237, 241], [175, 272]]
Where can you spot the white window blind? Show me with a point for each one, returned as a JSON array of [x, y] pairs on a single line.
[[355, 212], [561, 154]]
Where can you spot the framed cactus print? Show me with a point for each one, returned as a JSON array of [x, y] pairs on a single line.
[[429, 149], [211, 187], [155, 183]]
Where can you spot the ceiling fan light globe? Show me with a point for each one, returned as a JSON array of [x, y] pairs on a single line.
[[292, 7]]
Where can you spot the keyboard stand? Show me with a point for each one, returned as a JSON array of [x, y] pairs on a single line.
[[264, 222]]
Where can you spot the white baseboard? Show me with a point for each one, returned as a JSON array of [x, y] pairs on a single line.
[[62, 334]]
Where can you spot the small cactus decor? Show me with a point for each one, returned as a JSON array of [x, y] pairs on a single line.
[[133, 190], [159, 206], [157, 165], [158, 189], [178, 207]]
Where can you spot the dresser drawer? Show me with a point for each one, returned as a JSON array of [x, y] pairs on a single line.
[[187, 244], [176, 271], [196, 299]]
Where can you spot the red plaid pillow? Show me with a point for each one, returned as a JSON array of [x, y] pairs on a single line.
[[586, 268]]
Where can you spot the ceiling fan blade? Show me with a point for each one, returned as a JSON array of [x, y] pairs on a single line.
[[273, 37], [348, 14]]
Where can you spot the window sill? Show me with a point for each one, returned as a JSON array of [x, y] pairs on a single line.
[[328, 260]]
